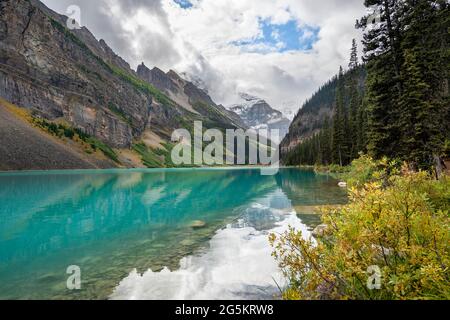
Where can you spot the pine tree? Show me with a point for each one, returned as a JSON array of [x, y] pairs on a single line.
[[407, 59], [384, 60], [416, 111], [326, 140], [403, 110], [424, 74], [355, 103], [338, 146], [362, 126]]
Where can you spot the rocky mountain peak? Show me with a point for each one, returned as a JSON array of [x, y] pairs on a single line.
[[158, 78], [143, 71], [175, 76], [258, 114], [248, 97], [157, 71], [70, 75]]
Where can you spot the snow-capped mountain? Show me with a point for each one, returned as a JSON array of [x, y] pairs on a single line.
[[258, 114]]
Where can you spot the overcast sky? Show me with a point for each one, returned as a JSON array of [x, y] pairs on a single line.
[[279, 50]]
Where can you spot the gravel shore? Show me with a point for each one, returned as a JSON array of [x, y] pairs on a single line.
[[23, 147]]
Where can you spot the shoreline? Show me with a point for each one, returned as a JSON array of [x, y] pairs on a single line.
[[143, 170]]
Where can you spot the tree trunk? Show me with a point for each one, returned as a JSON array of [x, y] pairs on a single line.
[[439, 166]]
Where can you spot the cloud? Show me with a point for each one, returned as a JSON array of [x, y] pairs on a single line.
[[137, 30], [279, 50]]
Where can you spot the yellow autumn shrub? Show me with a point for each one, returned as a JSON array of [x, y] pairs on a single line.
[[398, 226]]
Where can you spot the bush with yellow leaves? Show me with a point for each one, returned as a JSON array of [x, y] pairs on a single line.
[[397, 223]]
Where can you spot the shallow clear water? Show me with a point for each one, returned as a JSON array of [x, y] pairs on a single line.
[[126, 229]]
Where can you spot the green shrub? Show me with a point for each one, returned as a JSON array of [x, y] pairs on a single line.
[[365, 169], [446, 151], [81, 134], [401, 226], [69, 133], [149, 158], [155, 158], [62, 130], [333, 169], [104, 148]]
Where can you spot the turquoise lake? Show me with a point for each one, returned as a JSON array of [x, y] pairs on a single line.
[[132, 232]]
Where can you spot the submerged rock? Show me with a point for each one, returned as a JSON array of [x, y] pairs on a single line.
[[198, 224], [311, 210], [187, 242]]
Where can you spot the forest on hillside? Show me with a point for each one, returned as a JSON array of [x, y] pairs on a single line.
[[402, 110]]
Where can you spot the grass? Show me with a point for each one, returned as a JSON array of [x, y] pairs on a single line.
[[63, 131], [17, 111], [149, 158], [96, 144], [155, 158]]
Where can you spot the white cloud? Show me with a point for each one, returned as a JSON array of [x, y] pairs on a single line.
[[199, 40]]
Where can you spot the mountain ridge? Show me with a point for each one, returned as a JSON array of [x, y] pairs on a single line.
[[258, 114], [317, 110], [61, 74]]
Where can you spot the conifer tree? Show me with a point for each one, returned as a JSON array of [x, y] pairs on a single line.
[[407, 60], [382, 53], [326, 143], [362, 126], [403, 110], [424, 74], [339, 123], [415, 117], [355, 104]]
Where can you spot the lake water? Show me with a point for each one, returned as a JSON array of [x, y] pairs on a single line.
[[131, 231]]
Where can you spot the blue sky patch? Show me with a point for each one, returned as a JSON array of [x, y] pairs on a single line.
[[281, 38], [185, 4]]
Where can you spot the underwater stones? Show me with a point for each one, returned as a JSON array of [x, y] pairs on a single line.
[[198, 224], [187, 242], [50, 277], [312, 210]]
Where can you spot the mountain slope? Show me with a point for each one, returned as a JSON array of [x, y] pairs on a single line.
[[44, 67], [59, 74], [25, 147], [316, 111], [189, 96]]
